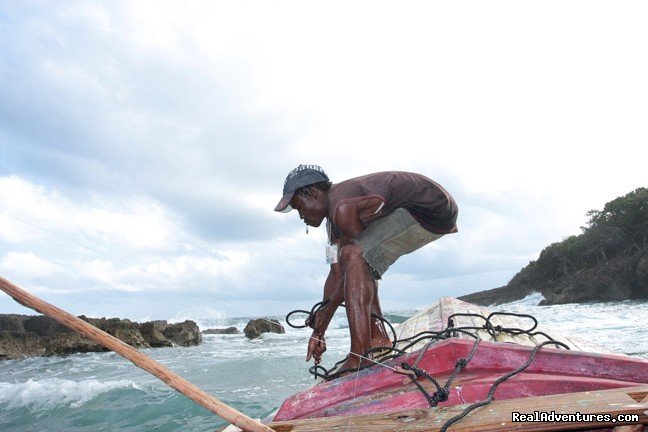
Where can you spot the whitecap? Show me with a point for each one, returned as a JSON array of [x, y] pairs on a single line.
[[55, 392], [532, 299]]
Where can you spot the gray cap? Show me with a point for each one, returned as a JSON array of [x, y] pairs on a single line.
[[303, 175]]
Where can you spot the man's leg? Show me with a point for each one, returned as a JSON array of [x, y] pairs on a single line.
[[379, 336], [368, 257], [358, 296]]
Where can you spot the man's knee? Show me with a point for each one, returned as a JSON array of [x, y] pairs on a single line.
[[350, 253]]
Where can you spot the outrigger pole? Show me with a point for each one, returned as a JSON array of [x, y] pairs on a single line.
[[170, 378]]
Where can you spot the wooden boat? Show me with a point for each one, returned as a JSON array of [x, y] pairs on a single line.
[[585, 378], [572, 382]]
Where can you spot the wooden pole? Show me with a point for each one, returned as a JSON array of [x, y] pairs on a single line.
[[172, 379]]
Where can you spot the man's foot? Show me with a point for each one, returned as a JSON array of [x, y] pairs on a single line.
[[352, 364], [380, 342], [380, 346]]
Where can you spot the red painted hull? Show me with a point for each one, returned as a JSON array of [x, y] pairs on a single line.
[[553, 371]]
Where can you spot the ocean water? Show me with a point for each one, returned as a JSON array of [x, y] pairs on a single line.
[[104, 392]]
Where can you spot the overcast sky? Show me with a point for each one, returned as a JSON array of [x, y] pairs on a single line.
[[143, 145]]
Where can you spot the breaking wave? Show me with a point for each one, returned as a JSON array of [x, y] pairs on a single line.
[[55, 392]]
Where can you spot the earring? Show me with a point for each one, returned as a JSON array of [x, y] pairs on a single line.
[[306, 228]]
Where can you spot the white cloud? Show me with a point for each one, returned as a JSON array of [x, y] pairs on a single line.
[[153, 140], [28, 264], [136, 223]]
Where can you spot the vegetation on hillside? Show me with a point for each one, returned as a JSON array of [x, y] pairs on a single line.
[[620, 229]]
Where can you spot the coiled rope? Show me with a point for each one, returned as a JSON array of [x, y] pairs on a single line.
[[442, 392]]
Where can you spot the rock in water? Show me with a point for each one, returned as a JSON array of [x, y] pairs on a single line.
[[184, 334], [228, 330], [125, 330], [255, 327], [27, 336], [70, 343], [153, 333], [14, 344], [43, 326], [12, 322]]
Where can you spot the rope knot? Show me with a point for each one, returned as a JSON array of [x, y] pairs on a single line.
[[461, 363], [441, 395]]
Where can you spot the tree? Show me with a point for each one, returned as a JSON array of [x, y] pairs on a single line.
[[621, 228], [622, 225]]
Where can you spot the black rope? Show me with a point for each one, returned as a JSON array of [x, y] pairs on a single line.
[[311, 315], [441, 394], [500, 380], [492, 329], [329, 374], [389, 353]]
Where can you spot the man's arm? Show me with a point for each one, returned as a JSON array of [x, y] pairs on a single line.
[[348, 221], [333, 296], [334, 293]]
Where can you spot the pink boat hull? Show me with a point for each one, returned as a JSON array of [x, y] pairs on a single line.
[[553, 371]]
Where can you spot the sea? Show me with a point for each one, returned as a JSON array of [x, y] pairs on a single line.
[[104, 392]]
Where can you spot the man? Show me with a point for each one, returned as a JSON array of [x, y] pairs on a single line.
[[371, 221]]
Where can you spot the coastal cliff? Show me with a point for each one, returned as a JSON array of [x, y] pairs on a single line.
[[28, 336], [608, 261]]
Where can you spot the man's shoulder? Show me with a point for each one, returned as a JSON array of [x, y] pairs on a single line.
[[378, 178]]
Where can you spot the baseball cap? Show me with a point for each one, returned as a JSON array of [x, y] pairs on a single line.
[[303, 175]]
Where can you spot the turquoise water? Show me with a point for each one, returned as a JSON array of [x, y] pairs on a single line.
[[103, 392]]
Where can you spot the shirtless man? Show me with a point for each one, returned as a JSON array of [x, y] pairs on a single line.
[[371, 221]]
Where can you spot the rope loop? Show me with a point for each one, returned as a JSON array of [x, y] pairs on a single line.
[[312, 315], [442, 393]]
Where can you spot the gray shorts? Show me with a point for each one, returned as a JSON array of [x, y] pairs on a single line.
[[391, 237]]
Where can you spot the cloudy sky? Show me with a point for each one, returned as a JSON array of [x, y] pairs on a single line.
[[143, 145]]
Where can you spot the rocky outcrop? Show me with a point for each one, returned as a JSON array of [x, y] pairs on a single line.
[[255, 327], [11, 322], [69, 343], [184, 334], [153, 332], [15, 344], [27, 336], [123, 329], [620, 278], [228, 330]]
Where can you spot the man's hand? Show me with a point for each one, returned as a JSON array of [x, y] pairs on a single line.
[[315, 321], [311, 320], [316, 347]]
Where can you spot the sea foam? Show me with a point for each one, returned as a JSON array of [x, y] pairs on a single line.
[[533, 299], [50, 393]]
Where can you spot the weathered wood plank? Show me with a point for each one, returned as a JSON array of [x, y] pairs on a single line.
[[631, 428], [496, 416]]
